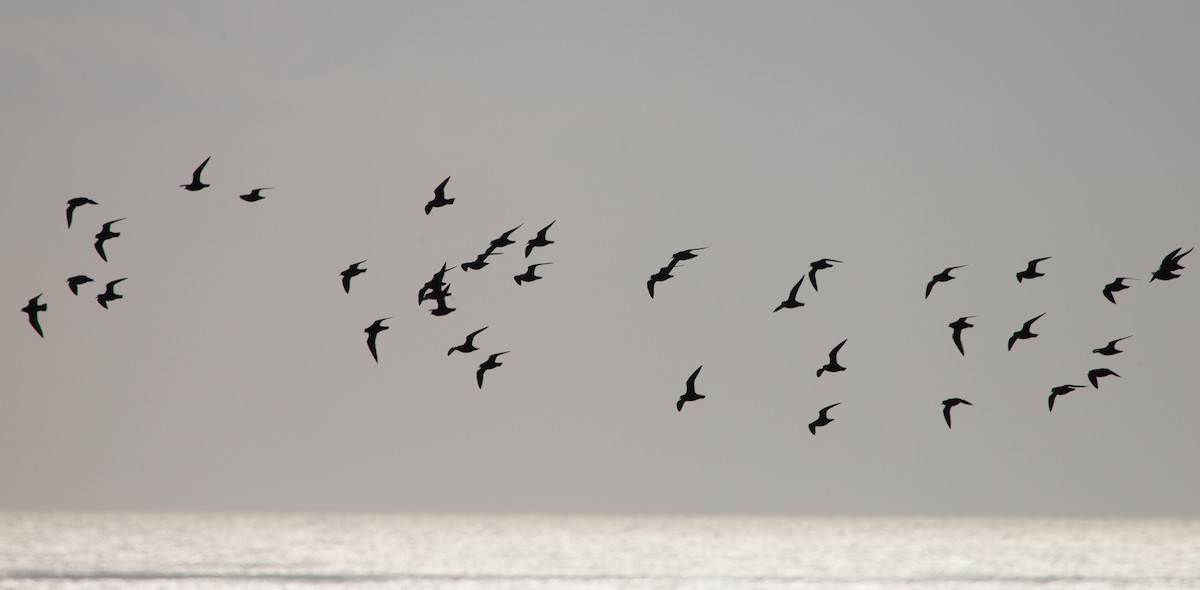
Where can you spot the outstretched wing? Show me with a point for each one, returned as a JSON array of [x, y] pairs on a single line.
[[946, 413], [958, 341], [833, 353], [691, 382], [929, 287], [199, 169], [440, 191], [796, 289]]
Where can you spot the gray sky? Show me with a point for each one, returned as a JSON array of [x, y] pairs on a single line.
[[899, 137]]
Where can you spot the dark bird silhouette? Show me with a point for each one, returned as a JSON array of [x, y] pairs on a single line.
[[1111, 348], [1115, 286], [791, 302], [1030, 271], [372, 331], [682, 255], [480, 260], [106, 234], [833, 366], [489, 364], [539, 240], [690, 395], [109, 294], [822, 419], [819, 265], [950, 403], [433, 286], [663, 274], [504, 240], [255, 195], [1024, 332], [958, 326], [529, 275], [941, 277], [1062, 390], [1170, 264], [32, 309], [439, 197], [76, 202], [1095, 374], [442, 309], [196, 184], [352, 271], [469, 345], [74, 282]]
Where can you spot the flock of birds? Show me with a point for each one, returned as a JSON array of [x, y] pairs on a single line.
[[437, 290]]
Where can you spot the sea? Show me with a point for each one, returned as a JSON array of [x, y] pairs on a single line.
[[137, 551]]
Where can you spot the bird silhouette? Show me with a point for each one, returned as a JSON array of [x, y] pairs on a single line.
[[688, 254], [76, 202], [74, 282], [663, 274], [822, 419], [791, 302], [958, 326], [196, 184], [469, 344], [819, 265], [690, 395], [372, 331], [1113, 287], [1030, 271], [352, 271], [106, 234], [529, 275], [1024, 332], [489, 364], [1170, 264], [504, 240], [480, 260], [950, 403], [432, 286], [1095, 374], [539, 240], [32, 309], [442, 309], [941, 277], [254, 195], [833, 366], [109, 294], [1111, 348], [439, 197], [1062, 390]]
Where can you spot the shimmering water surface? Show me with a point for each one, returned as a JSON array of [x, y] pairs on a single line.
[[467, 552]]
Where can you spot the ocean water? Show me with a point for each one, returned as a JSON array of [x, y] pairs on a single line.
[[83, 551]]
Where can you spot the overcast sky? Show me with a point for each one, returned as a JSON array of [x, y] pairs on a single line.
[[901, 138]]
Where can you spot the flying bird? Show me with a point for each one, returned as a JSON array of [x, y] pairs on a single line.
[[1113, 287], [469, 345], [372, 331], [352, 271], [32, 309], [196, 184], [941, 277], [106, 233], [439, 197], [1024, 332], [1170, 264], [480, 260], [950, 403], [1030, 271], [819, 265], [442, 309], [529, 275], [254, 195], [433, 286], [688, 254], [74, 282], [539, 240], [833, 366], [663, 274], [109, 294], [822, 419], [504, 240], [958, 326], [791, 302], [1111, 348], [690, 395], [1095, 374], [77, 202], [1062, 390], [489, 364]]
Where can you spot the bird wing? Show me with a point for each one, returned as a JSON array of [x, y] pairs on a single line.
[[812, 427], [957, 336], [796, 289], [1029, 324], [542, 233], [70, 212], [371, 345], [1094, 376], [1052, 396], [440, 191], [1170, 258], [529, 248], [946, 412], [679, 405], [479, 376], [100, 249], [199, 169], [1108, 294], [691, 382], [471, 336], [833, 353], [812, 278], [1012, 340], [929, 287], [346, 280]]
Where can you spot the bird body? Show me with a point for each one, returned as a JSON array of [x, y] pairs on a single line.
[[434, 286], [528, 275], [32, 309], [77, 202], [1113, 287], [690, 394], [1062, 390], [950, 403], [958, 326], [1024, 333], [1110, 348], [352, 271], [1170, 264], [372, 331], [941, 277], [1030, 271], [833, 366], [822, 418], [106, 234], [791, 302], [254, 195], [819, 265], [489, 364], [539, 240], [469, 344], [109, 294], [74, 282], [1095, 374], [439, 197], [196, 184]]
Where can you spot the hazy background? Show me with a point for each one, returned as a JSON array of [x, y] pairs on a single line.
[[899, 137]]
